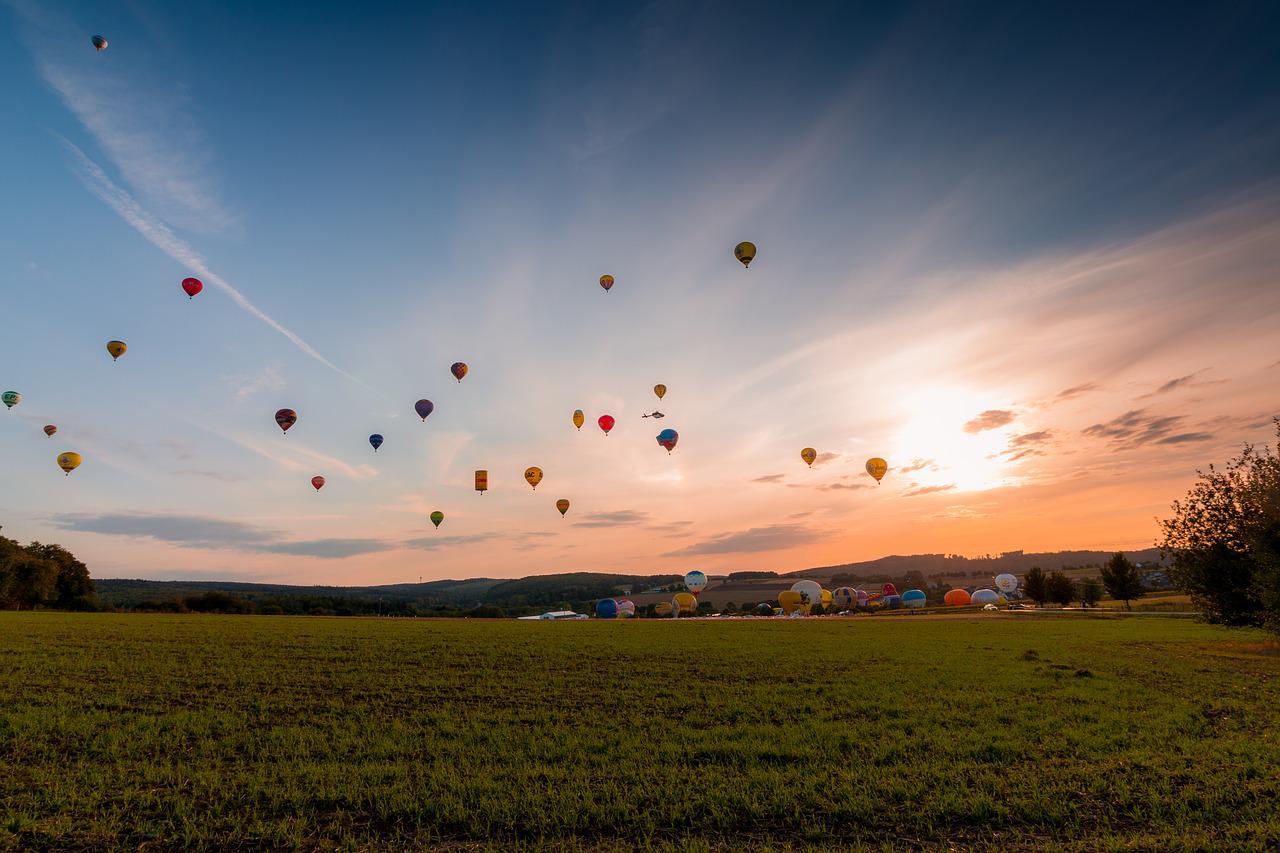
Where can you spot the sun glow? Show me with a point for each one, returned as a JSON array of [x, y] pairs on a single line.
[[933, 450]]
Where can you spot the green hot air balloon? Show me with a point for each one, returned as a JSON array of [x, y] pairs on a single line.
[[437, 517], [10, 399]]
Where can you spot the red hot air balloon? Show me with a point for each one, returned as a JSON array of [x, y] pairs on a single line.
[[286, 418], [50, 429], [424, 408], [458, 369], [889, 589], [192, 286], [606, 423], [318, 482]]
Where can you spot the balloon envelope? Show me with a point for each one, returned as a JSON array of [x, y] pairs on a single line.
[[889, 589], [844, 596], [914, 598], [606, 281], [424, 408], [745, 252], [482, 481], [685, 602], [860, 595], [662, 608], [533, 476], [10, 399], [99, 43], [578, 418], [660, 390], [192, 286], [626, 607], [117, 349], [318, 482], [792, 602], [695, 581], [1006, 582], [809, 455], [985, 596], [606, 608], [877, 468], [562, 505], [893, 602], [668, 438], [458, 369], [286, 418], [606, 423], [956, 598], [376, 441], [437, 517], [50, 429], [810, 591], [69, 461]]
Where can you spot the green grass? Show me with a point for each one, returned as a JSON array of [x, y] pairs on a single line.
[[182, 732]]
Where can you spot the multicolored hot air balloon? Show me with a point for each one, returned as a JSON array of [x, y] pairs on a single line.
[[956, 598], [695, 581], [533, 476], [563, 506], [877, 468], [50, 429], [192, 286], [117, 349], [809, 455], [660, 390], [606, 281], [668, 438], [1007, 583], [606, 608], [318, 482], [424, 408], [626, 608], [809, 591], [606, 423], [286, 418], [844, 596], [745, 252], [459, 369], [10, 399], [437, 517], [578, 418], [376, 441], [482, 480], [69, 461], [99, 43]]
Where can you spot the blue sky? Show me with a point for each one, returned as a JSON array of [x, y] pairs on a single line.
[[960, 210]]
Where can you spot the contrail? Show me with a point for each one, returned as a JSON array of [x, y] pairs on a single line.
[[160, 235]]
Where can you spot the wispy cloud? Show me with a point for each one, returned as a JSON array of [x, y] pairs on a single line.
[[1188, 381], [615, 518], [1138, 427], [770, 478], [268, 379], [772, 538], [990, 419], [916, 490], [1075, 391], [1026, 444]]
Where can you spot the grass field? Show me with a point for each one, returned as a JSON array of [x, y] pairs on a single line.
[[181, 732]]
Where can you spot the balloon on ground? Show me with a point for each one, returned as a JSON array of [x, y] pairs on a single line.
[[844, 596], [792, 602], [914, 598], [626, 608], [956, 598], [809, 591], [685, 602], [606, 608], [985, 596], [1006, 583]]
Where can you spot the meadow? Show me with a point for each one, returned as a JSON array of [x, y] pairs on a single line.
[[1027, 732]]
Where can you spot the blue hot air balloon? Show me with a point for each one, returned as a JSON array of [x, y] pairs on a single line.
[[668, 438], [376, 441], [913, 598], [607, 608], [424, 408]]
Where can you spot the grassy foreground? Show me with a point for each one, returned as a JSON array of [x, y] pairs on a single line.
[[179, 732]]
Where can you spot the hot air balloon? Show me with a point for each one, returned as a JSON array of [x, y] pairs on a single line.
[[684, 602], [843, 596], [533, 476], [99, 43], [286, 418], [914, 598], [482, 481], [192, 286], [606, 608], [662, 608], [458, 369], [877, 467], [117, 349], [626, 608], [563, 506], [985, 596], [1006, 583], [606, 423], [892, 602], [10, 399], [668, 438], [889, 589], [69, 461], [826, 599], [437, 517], [809, 455], [424, 408], [50, 429], [578, 418], [606, 281], [660, 390], [810, 591], [318, 482], [956, 598], [792, 602], [745, 252], [376, 441], [695, 581], [860, 596]]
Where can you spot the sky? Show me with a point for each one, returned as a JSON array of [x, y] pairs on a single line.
[[1027, 253]]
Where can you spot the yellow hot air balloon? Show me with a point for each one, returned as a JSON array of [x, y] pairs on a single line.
[[809, 455], [578, 418], [69, 461], [685, 602], [482, 480], [745, 252], [792, 602], [117, 349], [877, 467], [660, 390], [533, 476], [562, 505], [662, 608], [826, 599]]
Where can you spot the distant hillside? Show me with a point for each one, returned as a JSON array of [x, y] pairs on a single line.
[[955, 566]]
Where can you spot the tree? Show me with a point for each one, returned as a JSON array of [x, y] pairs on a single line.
[[1122, 580], [1223, 540], [1036, 586], [1090, 591], [1060, 588]]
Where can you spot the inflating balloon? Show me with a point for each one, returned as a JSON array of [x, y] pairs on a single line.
[[482, 481], [436, 518], [914, 598], [563, 506], [318, 482], [626, 608], [809, 591], [578, 418], [10, 399], [424, 408], [606, 423], [117, 349], [684, 603], [458, 369], [68, 461], [695, 581], [286, 418], [809, 455], [606, 281], [889, 589], [533, 476], [668, 438], [860, 596], [376, 441], [985, 596], [1006, 583], [662, 608], [792, 602], [745, 252], [606, 608], [100, 44], [660, 390], [192, 286], [50, 429], [956, 598], [877, 467], [843, 596], [826, 599]]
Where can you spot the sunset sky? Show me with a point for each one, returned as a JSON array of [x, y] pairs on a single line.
[[1028, 256]]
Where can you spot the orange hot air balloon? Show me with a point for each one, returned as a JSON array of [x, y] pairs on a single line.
[[877, 468], [482, 480], [459, 370], [606, 281], [50, 429], [563, 506], [956, 598], [117, 349], [809, 455], [578, 418], [606, 423], [533, 476]]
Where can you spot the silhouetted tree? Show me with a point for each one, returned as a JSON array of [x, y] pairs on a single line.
[[1090, 592], [1060, 588], [1036, 586], [1122, 580]]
